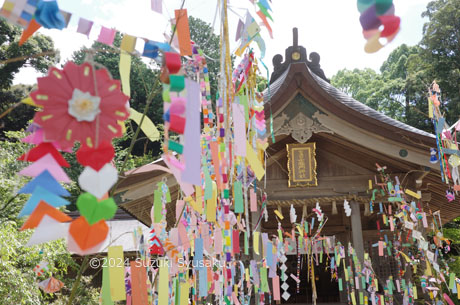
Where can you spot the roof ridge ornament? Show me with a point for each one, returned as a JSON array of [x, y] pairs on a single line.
[[301, 127], [296, 54], [295, 37]]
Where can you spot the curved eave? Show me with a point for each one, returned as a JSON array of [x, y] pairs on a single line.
[[298, 78]]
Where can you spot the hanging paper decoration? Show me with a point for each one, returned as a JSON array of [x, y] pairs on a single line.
[[374, 15], [183, 32], [292, 214], [264, 13], [319, 213], [106, 35], [49, 16], [48, 229], [18, 12], [156, 247], [80, 104], [84, 26], [51, 285], [347, 208], [41, 268], [32, 27], [78, 110], [219, 169], [157, 6], [98, 183], [433, 154], [247, 32]]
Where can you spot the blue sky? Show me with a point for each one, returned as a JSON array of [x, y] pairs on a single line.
[[329, 27]]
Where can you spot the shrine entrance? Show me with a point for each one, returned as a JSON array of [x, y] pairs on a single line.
[[327, 289]]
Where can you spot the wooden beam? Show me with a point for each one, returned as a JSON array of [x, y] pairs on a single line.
[[343, 144], [275, 157], [374, 142], [339, 159], [327, 186]]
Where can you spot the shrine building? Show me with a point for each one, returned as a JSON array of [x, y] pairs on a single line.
[[327, 148]]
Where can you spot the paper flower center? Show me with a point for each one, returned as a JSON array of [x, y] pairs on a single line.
[[83, 106]]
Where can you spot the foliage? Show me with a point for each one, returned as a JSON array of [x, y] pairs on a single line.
[[203, 35], [451, 231], [400, 89], [19, 113], [440, 48], [18, 282], [261, 82], [9, 49], [10, 181], [372, 89]]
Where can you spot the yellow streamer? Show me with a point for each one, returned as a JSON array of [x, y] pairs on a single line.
[[125, 71], [29, 101], [147, 126]]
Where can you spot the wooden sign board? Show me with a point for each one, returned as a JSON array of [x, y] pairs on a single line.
[[302, 164]]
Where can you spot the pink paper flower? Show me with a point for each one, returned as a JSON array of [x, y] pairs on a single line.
[[80, 104]]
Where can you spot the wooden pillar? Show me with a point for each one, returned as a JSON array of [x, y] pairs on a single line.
[[357, 231]]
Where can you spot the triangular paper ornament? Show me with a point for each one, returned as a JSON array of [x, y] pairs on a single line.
[[51, 285], [41, 150], [43, 284], [46, 181], [49, 163], [155, 244], [37, 137], [41, 194], [49, 229], [40, 211]]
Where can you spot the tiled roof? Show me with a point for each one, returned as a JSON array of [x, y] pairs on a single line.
[[345, 100], [275, 86], [364, 109]]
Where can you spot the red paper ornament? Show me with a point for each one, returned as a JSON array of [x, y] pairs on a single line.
[[80, 104], [42, 149], [96, 158], [177, 123], [172, 61]]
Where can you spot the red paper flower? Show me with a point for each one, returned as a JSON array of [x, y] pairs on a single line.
[[80, 104]]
